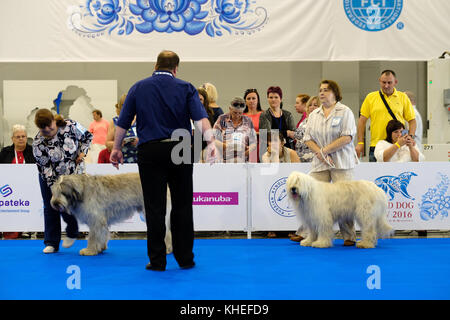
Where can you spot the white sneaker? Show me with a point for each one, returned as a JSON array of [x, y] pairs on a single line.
[[49, 249], [68, 242]]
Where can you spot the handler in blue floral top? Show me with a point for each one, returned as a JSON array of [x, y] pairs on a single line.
[[59, 149]]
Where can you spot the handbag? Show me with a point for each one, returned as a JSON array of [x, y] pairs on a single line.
[[387, 106]]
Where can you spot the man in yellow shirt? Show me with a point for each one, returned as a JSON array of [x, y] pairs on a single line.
[[373, 108]]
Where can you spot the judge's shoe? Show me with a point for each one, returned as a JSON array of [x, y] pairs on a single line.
[[68, 242], [188, 266], [154, 268], [49, 249]]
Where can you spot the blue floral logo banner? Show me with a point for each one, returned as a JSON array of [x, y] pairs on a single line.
[[436, 202], [93, 18]]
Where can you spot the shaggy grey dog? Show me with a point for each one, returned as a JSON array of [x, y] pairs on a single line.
[[319, 205], [100, 201]]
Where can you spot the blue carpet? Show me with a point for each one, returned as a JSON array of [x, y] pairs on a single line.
[[257, 269]]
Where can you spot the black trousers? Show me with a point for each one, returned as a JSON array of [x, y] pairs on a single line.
[[157, 171]]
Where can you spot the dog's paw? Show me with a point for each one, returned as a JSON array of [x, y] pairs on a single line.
[[365, 245], [321, 244], [88, 252], [305, 243]]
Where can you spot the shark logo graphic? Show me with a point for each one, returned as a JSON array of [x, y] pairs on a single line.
[[392, 185]]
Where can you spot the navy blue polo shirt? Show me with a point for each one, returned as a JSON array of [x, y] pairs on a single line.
[[162, 104]]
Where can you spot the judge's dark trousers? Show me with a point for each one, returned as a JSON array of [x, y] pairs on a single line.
[[157, 170]]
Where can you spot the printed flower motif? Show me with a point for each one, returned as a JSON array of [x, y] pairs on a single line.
[[431, 193], [69, 145], [434, 202], [108, 13], [232, 17], [106, 10], [55, 155], [230, 10], [95, 17], [170, 15], [61, 168]]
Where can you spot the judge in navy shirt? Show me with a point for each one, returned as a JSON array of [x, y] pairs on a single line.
[[163, 106]]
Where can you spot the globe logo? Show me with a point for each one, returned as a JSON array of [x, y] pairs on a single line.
[[373, 15]]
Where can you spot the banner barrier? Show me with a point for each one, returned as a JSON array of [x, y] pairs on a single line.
[[223, 30], [250, 197]]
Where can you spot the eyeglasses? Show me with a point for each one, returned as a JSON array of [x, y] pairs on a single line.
[[238, 105], [250, 91]]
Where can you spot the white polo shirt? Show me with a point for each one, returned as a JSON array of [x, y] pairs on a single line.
[[323, 131]]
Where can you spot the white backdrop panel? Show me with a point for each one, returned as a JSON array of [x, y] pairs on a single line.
[[21, 98]]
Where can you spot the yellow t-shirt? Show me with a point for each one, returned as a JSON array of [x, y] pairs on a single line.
[[374, 108]]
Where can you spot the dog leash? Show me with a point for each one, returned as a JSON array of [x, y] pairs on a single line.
[[332, 165]]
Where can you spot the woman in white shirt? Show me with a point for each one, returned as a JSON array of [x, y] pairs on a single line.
[[398, 146], [329, 134]]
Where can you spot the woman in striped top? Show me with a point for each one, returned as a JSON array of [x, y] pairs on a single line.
[[329, 133]]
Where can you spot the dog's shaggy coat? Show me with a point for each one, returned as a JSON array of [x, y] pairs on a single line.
[[319, 205], [100, 201]]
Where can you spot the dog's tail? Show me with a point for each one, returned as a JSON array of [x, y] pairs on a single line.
[[384, 230]]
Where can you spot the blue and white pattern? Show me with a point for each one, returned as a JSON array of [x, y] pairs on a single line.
[[392, 185], [95, 18], [436, 202], [373, 15]]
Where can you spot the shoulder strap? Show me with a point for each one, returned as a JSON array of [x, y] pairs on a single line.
[[387, 105]]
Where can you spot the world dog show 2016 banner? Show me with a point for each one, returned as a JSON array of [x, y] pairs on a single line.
[[223, 30], [418, 194]]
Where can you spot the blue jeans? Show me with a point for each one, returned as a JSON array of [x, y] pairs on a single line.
[[52, 220]]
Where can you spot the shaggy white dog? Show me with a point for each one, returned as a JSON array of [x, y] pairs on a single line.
[[319, 205]]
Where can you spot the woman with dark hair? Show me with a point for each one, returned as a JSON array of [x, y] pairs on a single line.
[[275, 118], [253, 110], [399, 146], [59, 149], [204, 99]]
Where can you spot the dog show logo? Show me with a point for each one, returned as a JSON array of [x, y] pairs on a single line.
[[279, 200], [400, 210], [374, 15], [393, 185], [11, 205]]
